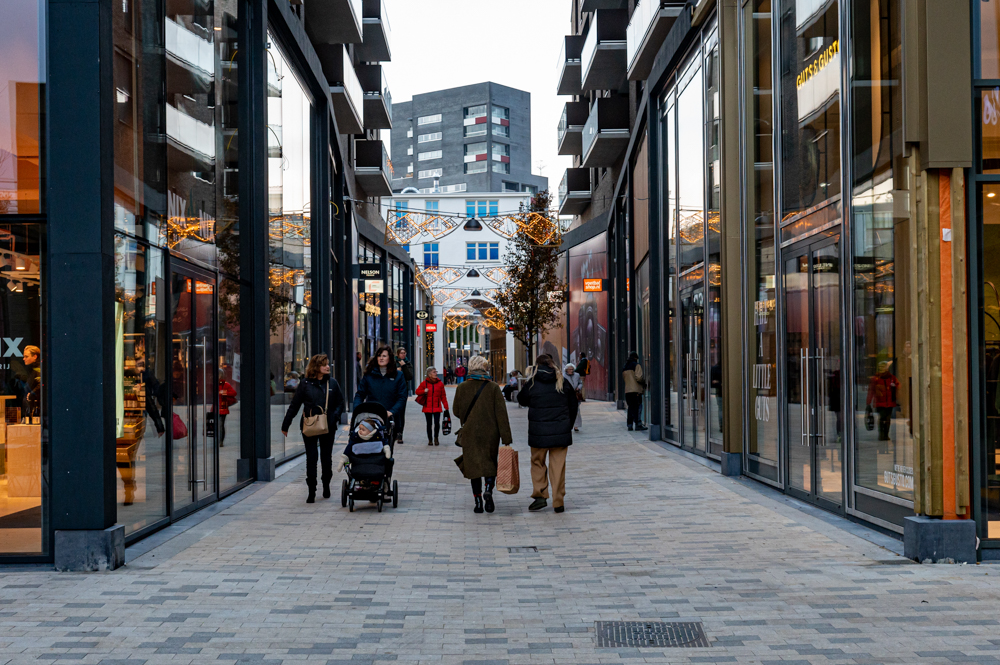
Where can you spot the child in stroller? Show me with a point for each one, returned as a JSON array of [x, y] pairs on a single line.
[[367, 459]]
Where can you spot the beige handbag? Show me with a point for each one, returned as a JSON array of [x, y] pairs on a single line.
[[317, 425]]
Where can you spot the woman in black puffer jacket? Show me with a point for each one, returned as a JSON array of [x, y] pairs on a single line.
[[316, 392], [384, 384], [552, 408]]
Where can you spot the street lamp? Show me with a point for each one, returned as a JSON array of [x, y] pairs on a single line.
[[473, 225], [472, 273]]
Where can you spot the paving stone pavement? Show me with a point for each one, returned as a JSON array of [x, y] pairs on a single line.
[[647, 535]]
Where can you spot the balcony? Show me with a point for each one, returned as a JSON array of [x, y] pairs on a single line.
[[574, 117], [651, 21], [569, 66], [345, 89], [603, 55], [594, 5], [574, 192], [606, 134], [378, 100], [333, 21], [376, 31], [371, 168]]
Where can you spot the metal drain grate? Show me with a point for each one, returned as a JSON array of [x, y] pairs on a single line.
[[522, 550], [651, 634]]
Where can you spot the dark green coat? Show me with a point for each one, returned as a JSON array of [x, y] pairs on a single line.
[[483, 429]]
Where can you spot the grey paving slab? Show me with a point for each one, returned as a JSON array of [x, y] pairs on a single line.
[[648, 535]]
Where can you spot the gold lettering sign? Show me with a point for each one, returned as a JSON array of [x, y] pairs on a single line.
[[817, 65]]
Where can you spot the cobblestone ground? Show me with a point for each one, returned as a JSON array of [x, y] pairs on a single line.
[[647, 535]]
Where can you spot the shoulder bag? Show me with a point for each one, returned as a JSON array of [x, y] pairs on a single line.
[[317, 425], [458, 434]]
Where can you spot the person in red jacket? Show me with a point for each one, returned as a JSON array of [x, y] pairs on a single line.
[[227, 397], [882, 395], [431, 393]]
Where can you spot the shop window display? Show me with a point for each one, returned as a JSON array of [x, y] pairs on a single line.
[[990, 207], [883, 342], [23, 481]]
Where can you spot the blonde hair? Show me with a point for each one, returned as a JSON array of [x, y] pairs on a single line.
[[546, 359], [479, 365]]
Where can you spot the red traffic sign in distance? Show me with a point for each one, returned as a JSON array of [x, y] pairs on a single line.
[[431, 327]]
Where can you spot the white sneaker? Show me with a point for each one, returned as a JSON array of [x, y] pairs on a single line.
[[388, 452], [340, 463]]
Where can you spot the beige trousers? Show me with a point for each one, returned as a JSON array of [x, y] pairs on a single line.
[[556, 471]]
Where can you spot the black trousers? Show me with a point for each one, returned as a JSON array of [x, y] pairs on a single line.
[[634, 402], [400, 420], [477, 485], [884, 421], [318, 447], [434, 418], [222, 428]]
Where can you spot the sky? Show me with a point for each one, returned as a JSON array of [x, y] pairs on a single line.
[[439, 44]]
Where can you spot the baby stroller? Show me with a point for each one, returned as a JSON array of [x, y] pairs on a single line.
[[369, 472]]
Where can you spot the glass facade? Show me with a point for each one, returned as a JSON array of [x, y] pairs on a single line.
[[22, 104], [289, 187], [689, 135]]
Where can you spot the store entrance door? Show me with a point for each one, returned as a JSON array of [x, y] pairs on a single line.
[[692, 368], [194, 388], [814, 423]]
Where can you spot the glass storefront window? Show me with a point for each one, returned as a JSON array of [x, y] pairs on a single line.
[[234, 462], [668, 146], [762, 434], [883, 427], [988, 58], [713, 235], [990, 210], [23, 482], [22, 104], [810, 110], [289, 181], [141, 366]]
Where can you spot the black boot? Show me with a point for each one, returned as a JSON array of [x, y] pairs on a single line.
[[326, 489], [312, 495], [479, 504], [488, 495]]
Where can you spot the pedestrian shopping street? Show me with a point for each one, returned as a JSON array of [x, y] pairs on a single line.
[[648, 535]]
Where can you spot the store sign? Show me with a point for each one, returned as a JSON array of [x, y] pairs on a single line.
[[374, 286], [818, 82], [423, 315], [900, 478], [453, 345], [431, 327], [370, 271], [467, 347], [593, 285]]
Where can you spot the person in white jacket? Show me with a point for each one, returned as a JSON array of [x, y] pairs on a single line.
[[575, 380]]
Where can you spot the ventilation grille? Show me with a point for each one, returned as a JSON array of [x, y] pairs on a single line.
[[651, 634]]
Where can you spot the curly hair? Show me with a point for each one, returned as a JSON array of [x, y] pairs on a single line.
[[315, 363], [372, 366]]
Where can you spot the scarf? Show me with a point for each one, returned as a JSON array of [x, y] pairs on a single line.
[[480, 377]]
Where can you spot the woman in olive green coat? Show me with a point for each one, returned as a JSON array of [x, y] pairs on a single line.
[[484, 426]]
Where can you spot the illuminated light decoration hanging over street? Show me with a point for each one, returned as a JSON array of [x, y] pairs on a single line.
[[404, 226]]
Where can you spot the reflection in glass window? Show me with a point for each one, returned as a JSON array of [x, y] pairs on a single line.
[[289, 112], [810, 88], [22, 100], [23, 465], [762, 435], [882, 337], [988, 57]]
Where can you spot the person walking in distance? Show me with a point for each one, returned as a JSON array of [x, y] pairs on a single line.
[[227, 397], [635, 386], [575, 381], [435, 402], [583, 369], [552, 408], [460, 373], [315, 393], [406, 368], [479, 404], [383, 383]]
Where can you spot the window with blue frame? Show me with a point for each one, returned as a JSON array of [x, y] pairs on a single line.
[[482, 208], [482, 251], [430, 255], [401, 205]]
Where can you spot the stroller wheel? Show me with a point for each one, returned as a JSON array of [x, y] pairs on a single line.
[[350, 504], [343, 493], [395, 494], [379, 505]]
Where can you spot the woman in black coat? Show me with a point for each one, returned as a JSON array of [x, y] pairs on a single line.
[[316, 392], [552, 408], [384, 384]]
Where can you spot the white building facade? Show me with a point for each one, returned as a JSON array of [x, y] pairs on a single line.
[[462, 269]]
